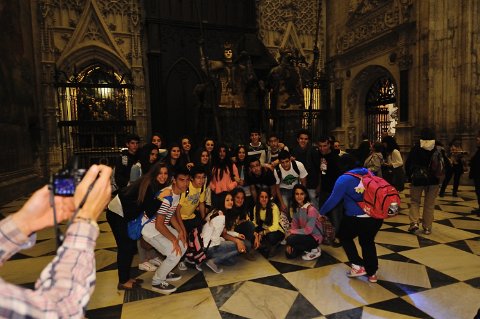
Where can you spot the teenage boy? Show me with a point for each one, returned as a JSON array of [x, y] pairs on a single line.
[[125, 161], [256, 148], [329, 172], [191, 200], [274, 148], [309, 156], [165, 233], [259, 177], [288, 174]]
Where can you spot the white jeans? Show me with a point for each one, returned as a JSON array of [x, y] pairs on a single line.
[[165, 247]]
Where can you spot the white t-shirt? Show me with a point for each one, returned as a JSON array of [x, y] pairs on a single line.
[[290, 177]]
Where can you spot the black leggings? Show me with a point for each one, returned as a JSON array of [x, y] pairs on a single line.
[[126, 247], [300, 244]]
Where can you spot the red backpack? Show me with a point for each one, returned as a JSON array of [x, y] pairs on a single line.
[[378, 196]]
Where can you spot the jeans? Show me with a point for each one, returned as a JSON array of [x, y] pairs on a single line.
[[223, 253], [365, 229], [165, 247], [126, 247], [431, 192]]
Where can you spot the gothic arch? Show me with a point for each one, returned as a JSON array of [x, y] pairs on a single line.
[[83, 57], [356, 98]]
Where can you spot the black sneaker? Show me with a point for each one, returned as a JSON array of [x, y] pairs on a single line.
[[164, 288], [173, 276]]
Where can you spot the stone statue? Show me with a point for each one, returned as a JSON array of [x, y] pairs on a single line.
[[232, 78], [285, 84]]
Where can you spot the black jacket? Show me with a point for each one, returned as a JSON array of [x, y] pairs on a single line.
[[420, 157]]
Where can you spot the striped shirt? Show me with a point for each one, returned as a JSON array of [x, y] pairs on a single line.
[[167, 208], [65, 285], [304, 222]]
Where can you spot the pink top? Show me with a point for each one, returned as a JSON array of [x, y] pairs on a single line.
[[225, 184]]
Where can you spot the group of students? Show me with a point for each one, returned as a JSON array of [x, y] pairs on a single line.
[[206, 208]]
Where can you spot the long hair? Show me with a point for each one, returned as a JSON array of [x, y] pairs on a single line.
[[144, 157], [222, 165], [269, 209], [241, 164], [391, 144], [237, 212], [150, 180], [305, 191]]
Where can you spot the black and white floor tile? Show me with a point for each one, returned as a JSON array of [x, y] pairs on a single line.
[[420, 276]]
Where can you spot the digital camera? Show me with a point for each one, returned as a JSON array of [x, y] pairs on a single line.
[[65, 181]]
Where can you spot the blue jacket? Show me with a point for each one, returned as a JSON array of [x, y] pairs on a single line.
[[344, 189]]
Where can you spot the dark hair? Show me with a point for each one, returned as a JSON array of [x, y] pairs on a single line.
[[237, 212], [162, 141], [197, 169], [391, 144], [221, 202], [189, 140], [132, 137], [269, 209], [252, 159], [303, 131], [304, 190], [181, 171], [144, 156], [255, 130], [324, 139], [150, 180], [377, 147], [222, 165], [347, 162], [168, 158], [284, 154]]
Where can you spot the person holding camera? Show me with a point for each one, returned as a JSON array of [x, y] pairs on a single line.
[[67, 282]]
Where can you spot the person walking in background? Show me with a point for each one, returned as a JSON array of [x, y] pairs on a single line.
[[475, 173], [392, 168], [375, 160], [455, 165], [420, 165]]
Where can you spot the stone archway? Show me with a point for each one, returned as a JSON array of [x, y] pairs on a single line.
[[357, 100]]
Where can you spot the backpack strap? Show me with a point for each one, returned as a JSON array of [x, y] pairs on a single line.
[[295, 168], [279, 172]]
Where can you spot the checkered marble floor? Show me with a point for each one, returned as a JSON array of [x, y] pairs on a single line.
[[434, 276]]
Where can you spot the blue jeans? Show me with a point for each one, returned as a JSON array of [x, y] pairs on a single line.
[[223, 253]]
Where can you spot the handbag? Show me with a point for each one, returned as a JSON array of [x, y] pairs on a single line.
[[135, 226], [420, 176]]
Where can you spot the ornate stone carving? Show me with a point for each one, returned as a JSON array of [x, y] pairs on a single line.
[[371, 19], [338, 82], [291, 24], [352, 136], [351, 106]]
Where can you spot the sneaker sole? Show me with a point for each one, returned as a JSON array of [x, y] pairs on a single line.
[[306, 258], [174, 279], [217, 271], [145, 269], [349, 275], [164, 291], [373, 281]]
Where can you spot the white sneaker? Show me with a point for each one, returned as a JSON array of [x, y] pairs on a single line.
[[156, 261], [211, 264], [147, 266], [199, 267], [312, 254], [181, 266], [283, 242]]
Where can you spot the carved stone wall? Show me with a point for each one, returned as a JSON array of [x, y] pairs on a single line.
[[433, 45], [292, 24], [74, 34]]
